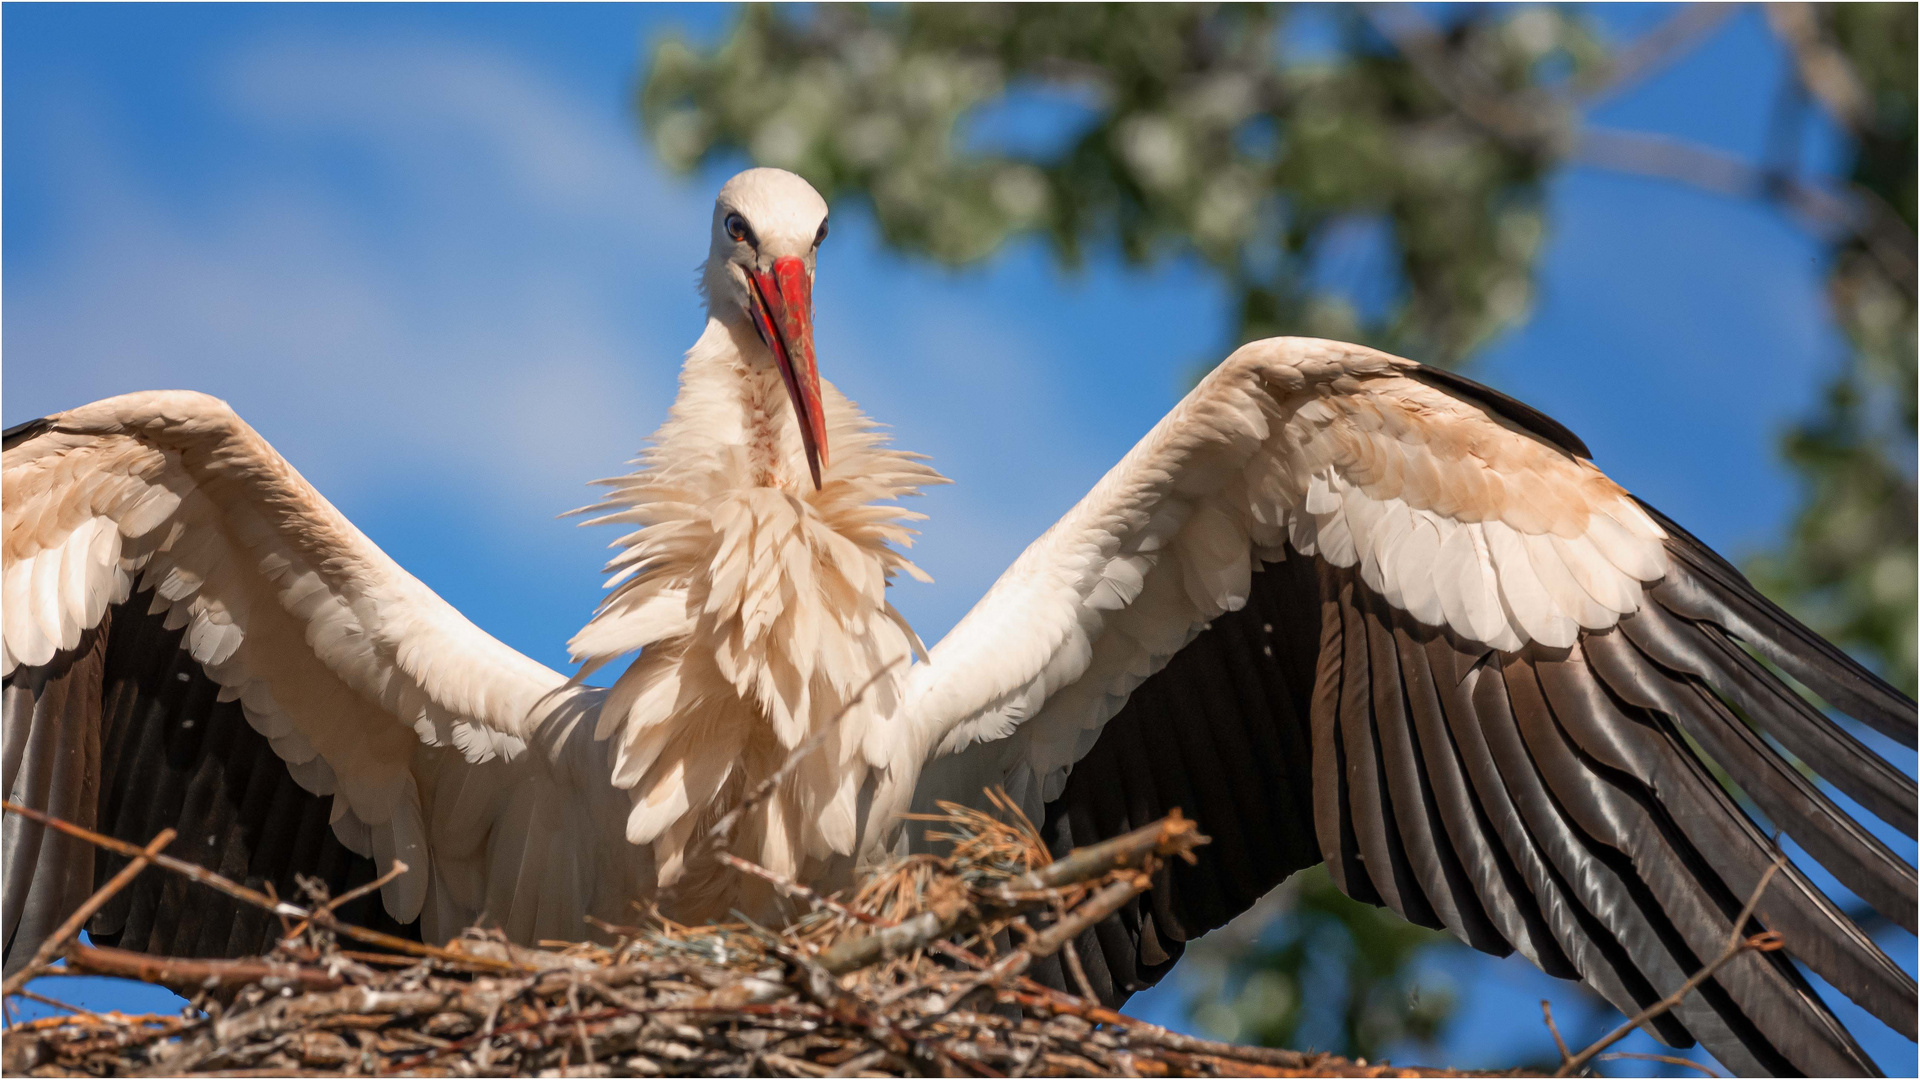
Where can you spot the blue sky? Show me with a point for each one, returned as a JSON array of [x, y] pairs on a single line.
[[424, 250]]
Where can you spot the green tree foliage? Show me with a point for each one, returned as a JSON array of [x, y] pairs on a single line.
[[1200, 138], [1849, 564], [1202, 134]]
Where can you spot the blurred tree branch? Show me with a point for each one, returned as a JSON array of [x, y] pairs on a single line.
[[1551, 123], [1823, 69], [1190, 136], [1848, 566], [1658, 48]]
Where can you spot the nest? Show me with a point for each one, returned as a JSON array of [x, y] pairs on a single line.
[[923, 971]]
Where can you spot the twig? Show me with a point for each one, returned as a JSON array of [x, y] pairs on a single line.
[[1546, 1010], [240, 892], [1668, 1059], [1097, 907], [57, 940], [1034, 995], [1765, 941], [1049, 941], [790, 887], [940, 919], [273, 894], [74, 1009], [1100, 1015], [375, 885], [956, 910], [1072, 957], [179, 866], [1172, 835], [347, 897], [196, 975]]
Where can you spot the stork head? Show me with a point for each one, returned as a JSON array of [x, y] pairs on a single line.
[[767, 229]]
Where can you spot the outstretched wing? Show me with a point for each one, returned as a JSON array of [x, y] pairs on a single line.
[[1341, 607], [194, 637]]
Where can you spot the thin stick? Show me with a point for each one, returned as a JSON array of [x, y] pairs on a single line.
[[74, 1009], [790, 887], [273, 894], [1096, 907], [941, 918], [1766, 941], [57, 941], [1172, 835], [348, 897], [1666, 1058], [1072, 956], [1546, 1010], [261, 900], [372, 886], [1047, 942]]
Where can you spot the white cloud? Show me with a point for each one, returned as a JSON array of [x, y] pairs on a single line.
[[436, 102], [492, 334]]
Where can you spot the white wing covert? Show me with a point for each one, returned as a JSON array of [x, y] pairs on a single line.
[[1451, 513]]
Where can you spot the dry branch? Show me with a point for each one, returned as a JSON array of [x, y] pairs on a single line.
[[190, 977], [239, 892], [902, 977]]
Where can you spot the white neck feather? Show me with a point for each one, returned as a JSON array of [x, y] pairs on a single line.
[[759, 606]]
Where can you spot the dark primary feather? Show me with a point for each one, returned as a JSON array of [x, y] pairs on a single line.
[[1713, 591], [132, 713], [21, 432], [1550, 801], [52, 760], [1258, 667], [1513, 411]]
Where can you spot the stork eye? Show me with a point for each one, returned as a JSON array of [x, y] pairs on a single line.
[[821, 235], [736, 227]]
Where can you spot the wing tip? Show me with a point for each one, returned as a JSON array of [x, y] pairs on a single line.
[[20, 433], [1514, 411], [1833, 673]]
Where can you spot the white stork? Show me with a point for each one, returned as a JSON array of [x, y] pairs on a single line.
[[1336, 606]]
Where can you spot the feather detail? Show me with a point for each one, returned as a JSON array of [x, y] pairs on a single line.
[[758, 605]]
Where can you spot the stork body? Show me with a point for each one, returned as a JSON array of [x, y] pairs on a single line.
[[1337, 606], [758, 604], [754, 584]]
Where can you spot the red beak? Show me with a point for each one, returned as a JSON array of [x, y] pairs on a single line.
[[783, 314]]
